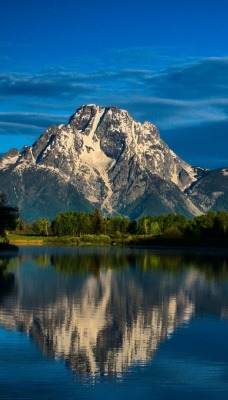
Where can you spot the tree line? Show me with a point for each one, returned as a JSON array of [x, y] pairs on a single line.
[[73, 223]]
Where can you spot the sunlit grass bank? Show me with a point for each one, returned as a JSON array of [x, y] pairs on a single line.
[[68, 240]]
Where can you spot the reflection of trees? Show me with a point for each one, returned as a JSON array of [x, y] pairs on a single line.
[[7, 280], [87, 263], [213, 266], [42, 260]]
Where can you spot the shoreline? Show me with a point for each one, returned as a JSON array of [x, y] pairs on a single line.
[[179, 245]]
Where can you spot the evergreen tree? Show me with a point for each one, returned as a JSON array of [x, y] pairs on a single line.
[[97, 222], [8, 216]]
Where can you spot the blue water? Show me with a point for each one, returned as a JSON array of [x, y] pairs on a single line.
[[100, 324]]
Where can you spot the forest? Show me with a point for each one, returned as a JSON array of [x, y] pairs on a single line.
[[95, 227], [170, 227]]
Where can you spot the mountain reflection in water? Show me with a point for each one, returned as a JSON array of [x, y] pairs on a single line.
[[105, 312]]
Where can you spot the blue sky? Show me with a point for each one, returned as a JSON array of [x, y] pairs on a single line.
[[164, 61]]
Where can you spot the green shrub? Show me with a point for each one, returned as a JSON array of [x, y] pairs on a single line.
[[98, 239]]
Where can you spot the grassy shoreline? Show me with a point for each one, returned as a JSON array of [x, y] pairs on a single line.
[[68, 240], [129, 241]]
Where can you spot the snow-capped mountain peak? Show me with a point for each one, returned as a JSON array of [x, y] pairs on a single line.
[[110, 159]]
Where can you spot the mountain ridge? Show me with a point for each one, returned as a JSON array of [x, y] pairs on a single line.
[[102, 158]]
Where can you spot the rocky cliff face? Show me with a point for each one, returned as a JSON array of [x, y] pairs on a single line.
[[101, 158], [210, 192]]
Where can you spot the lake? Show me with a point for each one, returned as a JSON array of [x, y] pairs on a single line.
[[111, 323]]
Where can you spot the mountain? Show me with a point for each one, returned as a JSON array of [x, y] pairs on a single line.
[[211, 191], [102, 158]]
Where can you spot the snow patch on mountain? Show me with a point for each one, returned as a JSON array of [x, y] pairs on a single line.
[[9, 159], [7, 162], [91, 153], [225, 171]]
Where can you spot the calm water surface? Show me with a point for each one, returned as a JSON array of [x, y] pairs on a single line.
[[113, 323]]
